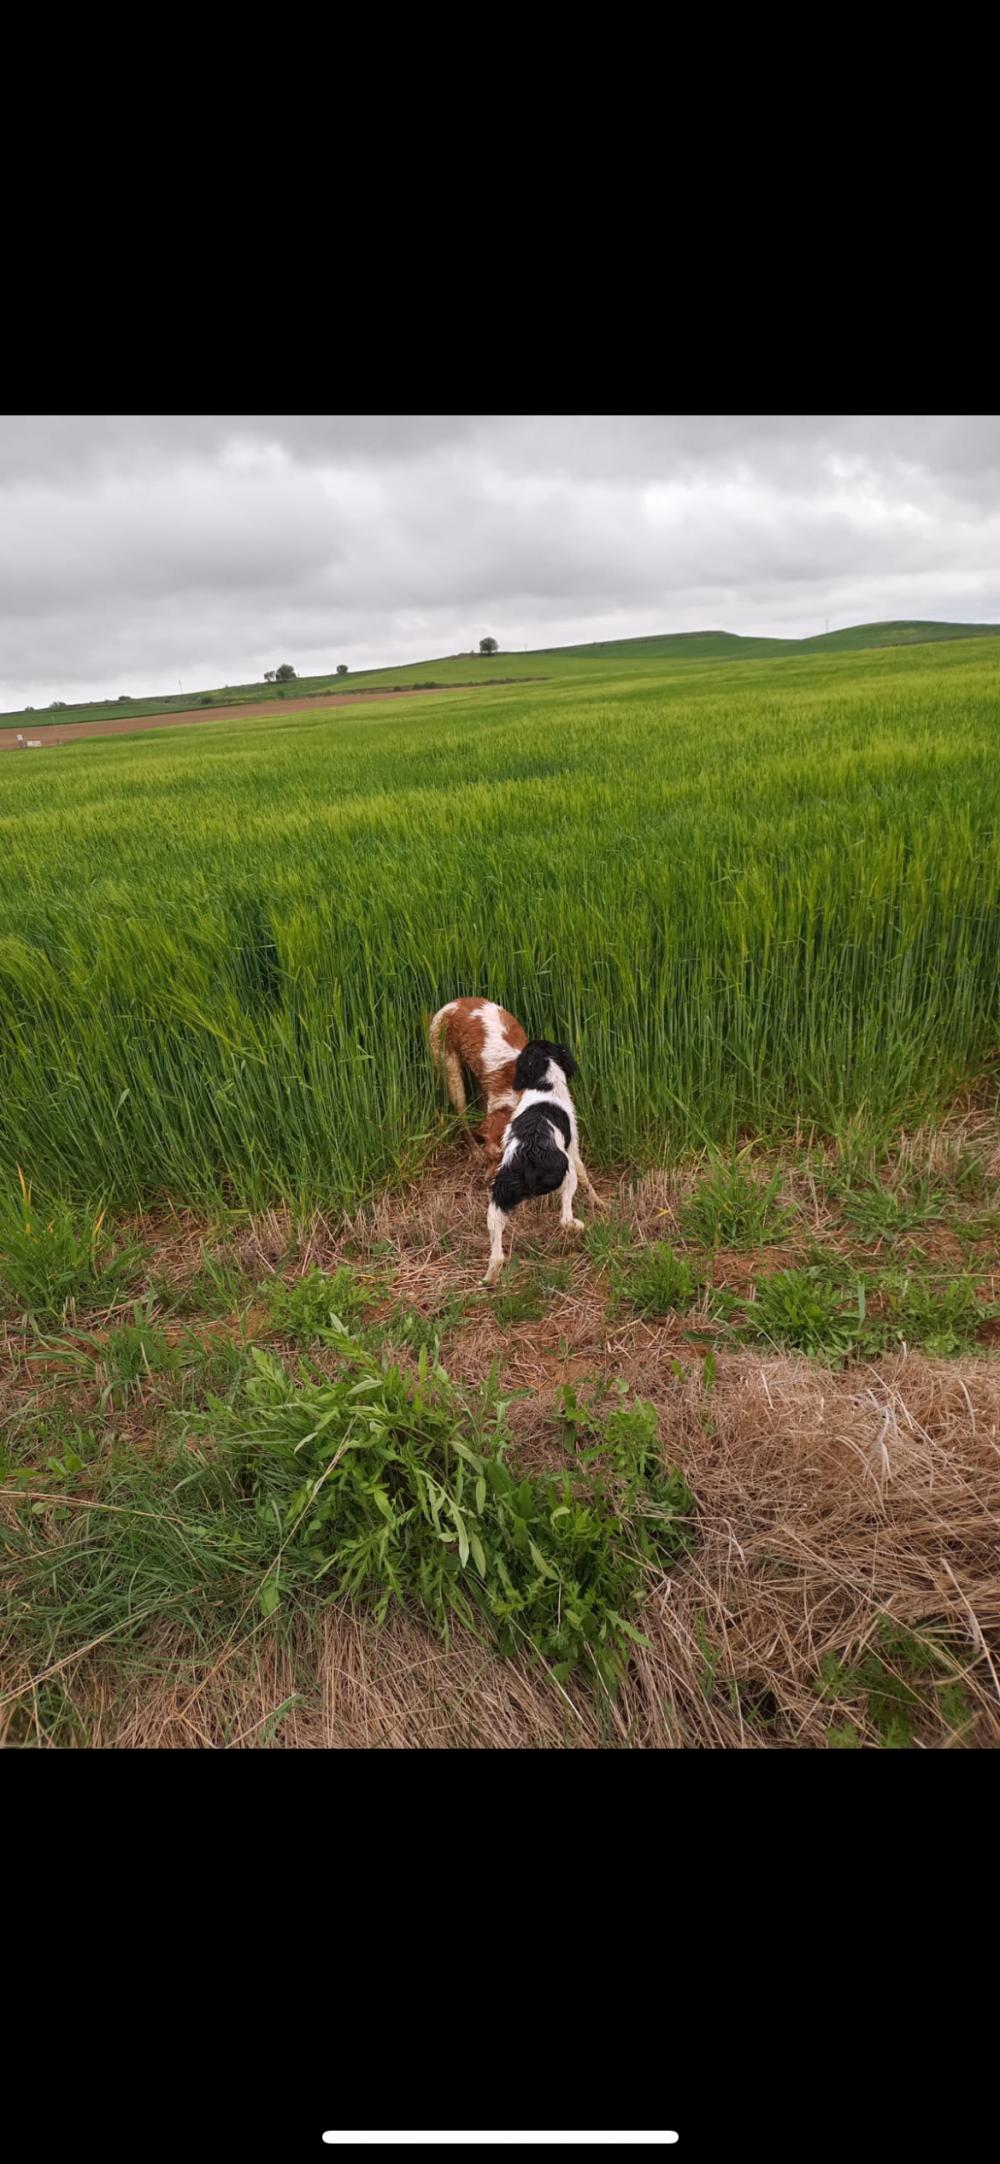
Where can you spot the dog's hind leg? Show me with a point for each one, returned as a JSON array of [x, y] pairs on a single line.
[[585, 1180], [495, 1219], [455, 1080], [566, 1194]]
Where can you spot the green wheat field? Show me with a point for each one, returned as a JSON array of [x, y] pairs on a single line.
[[755, 896]]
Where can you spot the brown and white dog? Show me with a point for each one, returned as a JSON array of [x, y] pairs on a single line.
[[483, 1039]]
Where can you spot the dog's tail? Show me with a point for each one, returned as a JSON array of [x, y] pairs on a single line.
[[445, 1062], [435, 1033]]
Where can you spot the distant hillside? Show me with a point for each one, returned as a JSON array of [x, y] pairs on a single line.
[[734, 646], [897, 634], [673, 646], [505, 667], [545, 661]]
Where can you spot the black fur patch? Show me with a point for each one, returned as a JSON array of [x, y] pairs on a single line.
[[532, 1061], [555, 1116], [539, 1165]]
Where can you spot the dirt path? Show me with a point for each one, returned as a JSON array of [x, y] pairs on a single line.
[[134, 724]]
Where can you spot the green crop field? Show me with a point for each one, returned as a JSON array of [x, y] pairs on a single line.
[[278, 1472], [752, 895]]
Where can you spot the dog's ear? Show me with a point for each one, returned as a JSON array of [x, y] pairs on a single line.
[[532, 1062], [562, 1053]]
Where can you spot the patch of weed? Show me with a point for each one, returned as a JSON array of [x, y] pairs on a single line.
[[813, 1309], [313, 1308], [621, 1442], [941, 1315], [218, 1287], [732, 1207], [397, 1490], [880, 1210], [131, 1353], [900, 1685], [605, 1239], [843, 1736], [53, 1258], [711, 1654], [655, 1280], [407, 1326], [52, 1436], [212, 1367], [527, 1292]]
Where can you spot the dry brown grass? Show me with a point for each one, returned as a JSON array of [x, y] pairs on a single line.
[[828, 1499], [826, 1502]]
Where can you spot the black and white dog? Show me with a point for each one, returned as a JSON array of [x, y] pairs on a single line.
[[541, 1148]]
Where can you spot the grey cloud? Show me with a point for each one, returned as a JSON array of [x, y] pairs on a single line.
[[138, 549], [656, 445]]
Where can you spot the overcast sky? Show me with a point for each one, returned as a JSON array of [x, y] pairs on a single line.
[[140, 552]]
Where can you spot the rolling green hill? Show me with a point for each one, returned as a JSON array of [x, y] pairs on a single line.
[[734, 646], [858, 636], [537, 663]]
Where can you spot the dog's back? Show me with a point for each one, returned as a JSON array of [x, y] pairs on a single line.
[[483, 1036], [483, 1039], [534, 1161]]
